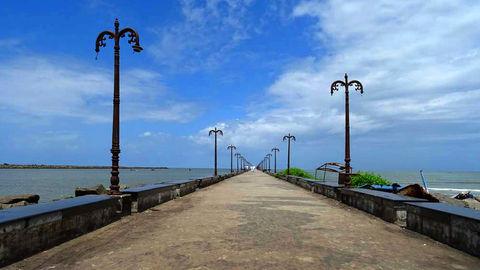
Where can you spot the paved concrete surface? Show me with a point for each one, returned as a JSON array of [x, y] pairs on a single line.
[[251, 221]]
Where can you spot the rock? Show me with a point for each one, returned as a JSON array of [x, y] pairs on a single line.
[[12, 199], [21, 203], [95, 190], [464, 195], [472, 203], [447, 199], [417, 191]]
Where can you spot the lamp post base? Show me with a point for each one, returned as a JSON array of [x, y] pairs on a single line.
[[345, 179], [114, 190]]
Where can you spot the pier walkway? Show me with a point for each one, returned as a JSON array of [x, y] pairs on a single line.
[[251, 221]]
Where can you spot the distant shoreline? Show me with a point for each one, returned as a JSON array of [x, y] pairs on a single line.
[[42, 166]]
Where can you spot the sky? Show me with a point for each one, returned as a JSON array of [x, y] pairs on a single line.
[[255, 69]]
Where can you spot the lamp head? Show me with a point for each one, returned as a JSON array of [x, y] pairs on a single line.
[[137, 48]]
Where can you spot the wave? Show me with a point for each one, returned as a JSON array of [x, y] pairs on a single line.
[[456, 189]]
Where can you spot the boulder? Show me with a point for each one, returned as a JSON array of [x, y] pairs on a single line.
[[21, 203], [95, 190], [464, 195], [417, 191], [469, 203], [12, 199]]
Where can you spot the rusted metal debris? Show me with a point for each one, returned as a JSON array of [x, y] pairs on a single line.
[[417, 191], [334, 167]]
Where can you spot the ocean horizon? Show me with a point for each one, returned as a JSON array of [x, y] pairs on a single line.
[[52, 184]]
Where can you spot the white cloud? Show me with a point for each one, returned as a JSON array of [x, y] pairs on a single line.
[[209, 30], [203, 137], [48, 140], [417, 61], [154, 135], [53, 87], [146, 134]]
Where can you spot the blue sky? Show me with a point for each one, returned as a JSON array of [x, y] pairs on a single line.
[[256, 69]]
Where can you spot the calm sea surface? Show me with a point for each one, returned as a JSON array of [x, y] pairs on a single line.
[[53, 184], [449, 183]]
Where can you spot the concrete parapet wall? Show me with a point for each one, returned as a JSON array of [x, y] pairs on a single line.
[[331, 190], [27, 230], [207, 181], [387, 206], [188, 187], [456, 226], [148, 196]]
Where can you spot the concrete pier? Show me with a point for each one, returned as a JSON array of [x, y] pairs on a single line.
[[251, 221]]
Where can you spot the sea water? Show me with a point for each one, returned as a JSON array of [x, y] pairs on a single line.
[[53, 184]]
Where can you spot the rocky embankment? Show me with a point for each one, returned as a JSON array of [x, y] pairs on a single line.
[[18, 200], [469, 202]]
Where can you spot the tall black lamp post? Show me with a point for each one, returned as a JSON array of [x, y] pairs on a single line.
[[275, 150], [237, 155], [269, 156], [289, 138], [358, 87], [231, 147], [215, 131], [100, 42]]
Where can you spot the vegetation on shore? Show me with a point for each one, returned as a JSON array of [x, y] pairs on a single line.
[[368, 178], [297, 172], [42, 166]]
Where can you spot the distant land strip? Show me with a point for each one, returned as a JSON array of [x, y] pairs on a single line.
[[42, 166]]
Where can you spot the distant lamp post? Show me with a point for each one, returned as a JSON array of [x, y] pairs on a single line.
[[100, 42], [275, 150], [215, 131], [358, 87], [237, 155], [269, 156], [231, 147], [289, 138]]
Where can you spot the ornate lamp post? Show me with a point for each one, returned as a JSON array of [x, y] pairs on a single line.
[[358, 87], [289, 138], [215, 131], [275, 150], [100, 42], [237, 155], [269, 156], [231, 147]]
